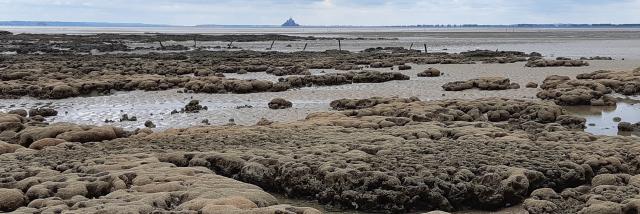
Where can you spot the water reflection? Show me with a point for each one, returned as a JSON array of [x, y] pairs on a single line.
[[603, 120]]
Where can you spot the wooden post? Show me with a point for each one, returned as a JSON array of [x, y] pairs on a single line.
[[161, 45], [339, 45], [273, 42], [425, 49], [195, 41], [411, 47], [305, 47], [229, 46]]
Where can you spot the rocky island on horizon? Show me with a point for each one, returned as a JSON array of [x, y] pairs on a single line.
[[290, 23]]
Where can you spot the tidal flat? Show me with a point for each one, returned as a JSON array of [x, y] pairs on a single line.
[[210, 121]]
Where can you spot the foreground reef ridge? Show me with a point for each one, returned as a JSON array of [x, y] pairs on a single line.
[[391, 154]]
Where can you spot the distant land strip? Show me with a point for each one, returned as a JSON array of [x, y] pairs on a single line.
[[107, 24]]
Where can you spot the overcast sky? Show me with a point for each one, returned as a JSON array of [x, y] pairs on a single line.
[[325, 12]]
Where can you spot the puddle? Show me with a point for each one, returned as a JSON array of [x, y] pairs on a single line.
[[601, 119]]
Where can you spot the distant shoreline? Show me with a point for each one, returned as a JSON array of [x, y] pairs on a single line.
[[445, 26]]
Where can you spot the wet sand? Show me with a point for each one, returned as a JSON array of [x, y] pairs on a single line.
[[156, 106]]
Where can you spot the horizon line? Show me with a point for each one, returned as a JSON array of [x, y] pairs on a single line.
[[27, 23]]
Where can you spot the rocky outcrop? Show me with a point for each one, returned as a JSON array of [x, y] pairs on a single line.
[[291, 70], [29, 133], [390, 154], [59, 76], [45, 112], [628, 127], [430, 72], [138, 183], [596, 58], [193, 107], [556, 63], [368, 171], [11, 199], [607, 193], [352, 104], [404, 67], [590, 88], [8, 147], [280, 103], [343, 78], [215, 85], [127, 118], [623, 82], [46, 142], [149, 124], [484, 83]]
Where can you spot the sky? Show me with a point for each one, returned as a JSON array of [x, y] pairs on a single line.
[[324, 12]]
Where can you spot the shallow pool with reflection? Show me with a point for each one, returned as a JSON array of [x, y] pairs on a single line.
[[601, 119]]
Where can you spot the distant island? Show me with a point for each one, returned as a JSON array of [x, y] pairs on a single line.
[[290, 23]]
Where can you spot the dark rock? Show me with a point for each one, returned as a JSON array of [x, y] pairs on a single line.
[[45, 112], [20, 112], [484, 83], [149, 124], [404, 67], [430, 72], [193, 107], [279, 103], [126, 117], [628, 127]]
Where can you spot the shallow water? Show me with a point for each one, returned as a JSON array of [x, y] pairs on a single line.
[[600, 119]]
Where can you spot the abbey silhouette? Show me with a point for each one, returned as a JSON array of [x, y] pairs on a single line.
[[290, 23]]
